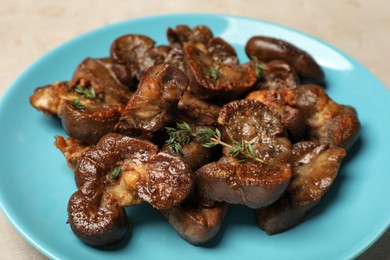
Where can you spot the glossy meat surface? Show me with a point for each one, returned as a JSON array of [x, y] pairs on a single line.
[[94, 215], [268, 48], [182, 34], [253, 122], [314, 168], [327, 121], [199, 111], [195, 223], [154, 103], [249, 183], [193, 153], [316, 114], [132, 55], [122, 171], [277, 74], [211, 78], [293, 118], [188, 129], [89, 105]]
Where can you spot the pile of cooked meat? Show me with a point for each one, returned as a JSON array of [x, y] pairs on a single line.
[[137, 123]]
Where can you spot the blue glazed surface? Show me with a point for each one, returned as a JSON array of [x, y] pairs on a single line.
[[35, 183]]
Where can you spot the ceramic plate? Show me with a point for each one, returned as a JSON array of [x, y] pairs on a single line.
[[35, 183]]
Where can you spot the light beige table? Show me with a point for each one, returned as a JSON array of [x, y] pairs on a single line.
[[30, 28]]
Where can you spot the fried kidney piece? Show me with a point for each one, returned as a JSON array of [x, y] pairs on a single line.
[[89, 105], [99, 103], [293, 118], [49, 98], [154, 103], [192, 153], [122, 171], [133, 54], [326, 120], [95, 216], [97, 220], [251, 121], [90, 122], [268, 48], [98, 74], [194, 222], [242, 180], [249, 183], [212, 78], [275, 75], [182, 34], [314, 168], [198, 111], [72, 149], [222, 52], [167, 182]]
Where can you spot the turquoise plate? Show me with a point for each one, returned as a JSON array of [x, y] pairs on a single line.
[[35, 183]]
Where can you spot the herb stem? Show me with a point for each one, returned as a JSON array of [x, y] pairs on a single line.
[[230, 147], [209, 138]]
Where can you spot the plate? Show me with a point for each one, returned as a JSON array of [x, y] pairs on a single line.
[[35, 183]]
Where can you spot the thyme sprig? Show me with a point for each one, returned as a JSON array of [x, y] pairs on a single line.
[[178, 136], [87, 93], [209, 138]]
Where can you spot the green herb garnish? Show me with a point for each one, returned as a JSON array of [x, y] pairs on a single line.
[[114, 174], [209, 138], [206, 136], [214, 72], [77, 105], [258, 68], [178, 136], [87, 93]]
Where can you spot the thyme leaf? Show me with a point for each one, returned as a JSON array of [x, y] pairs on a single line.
[[114, 174], [87, 93], [214, 72], [77, 105], [178, 136], [209, 138], [258, 68]]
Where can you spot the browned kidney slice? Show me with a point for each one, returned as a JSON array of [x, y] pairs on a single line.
[[314, 168]]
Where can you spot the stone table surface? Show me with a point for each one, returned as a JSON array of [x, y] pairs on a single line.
[[30, 28]]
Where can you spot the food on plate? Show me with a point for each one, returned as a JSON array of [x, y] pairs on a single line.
[[324, 120], [133, 54], [154, 103], [267, 48], [252, 122], [194, 109], [277, 74], [89, 105], [314, 167], [253, 184], [122, 171], [188, 129], [293, 118], [211, 74], [192, 151], [194, 222], [183, 34]]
